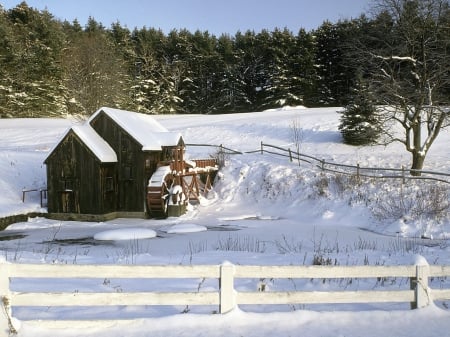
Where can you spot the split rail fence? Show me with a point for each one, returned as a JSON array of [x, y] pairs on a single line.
[[355, 170], [226, 297]]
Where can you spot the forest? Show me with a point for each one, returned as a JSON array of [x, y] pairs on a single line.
[[57, 68]]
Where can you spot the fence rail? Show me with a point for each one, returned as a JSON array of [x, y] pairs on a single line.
[[226, 297], [322, 164], [357, 170]]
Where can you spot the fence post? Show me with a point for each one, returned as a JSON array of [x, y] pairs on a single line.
[[290, 155], [262, 148], [227, 295], [403, 174], [6, 328], [357, 171], [420, 285]]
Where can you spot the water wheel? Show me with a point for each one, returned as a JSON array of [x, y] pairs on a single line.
[[158, 192]]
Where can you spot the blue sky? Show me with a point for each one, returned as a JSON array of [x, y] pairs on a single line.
[[217, 17]]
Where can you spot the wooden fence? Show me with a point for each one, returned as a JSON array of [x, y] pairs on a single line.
[[226, 297], [356, 170]]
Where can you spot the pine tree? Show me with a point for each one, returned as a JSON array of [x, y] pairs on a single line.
[[280, 89], [359, 124], [231, 94], [34, 80]]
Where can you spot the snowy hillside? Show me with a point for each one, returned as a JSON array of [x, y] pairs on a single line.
[[264, 210]]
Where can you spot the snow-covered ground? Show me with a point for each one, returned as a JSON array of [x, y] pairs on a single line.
[[264, 210]]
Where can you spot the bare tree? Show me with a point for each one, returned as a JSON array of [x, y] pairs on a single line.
[[95, 73], [297, 136], [408, 60]]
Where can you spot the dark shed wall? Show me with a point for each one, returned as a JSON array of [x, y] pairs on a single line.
[[134, 166], [76, 179]]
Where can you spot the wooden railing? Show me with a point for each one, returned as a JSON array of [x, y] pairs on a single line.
[[226, 297], [334, 167], [356, 170], [204, 163]]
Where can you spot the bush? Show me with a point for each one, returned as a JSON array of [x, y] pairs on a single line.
[[428, 201]]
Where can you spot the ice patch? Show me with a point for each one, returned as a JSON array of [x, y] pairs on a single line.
[[125, 234], [328, 215], [185, 228]]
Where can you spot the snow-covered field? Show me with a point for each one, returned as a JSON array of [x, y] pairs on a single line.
[[264, 210]]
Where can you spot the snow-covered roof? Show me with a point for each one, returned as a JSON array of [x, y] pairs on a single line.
[[143, 128], [95, 143], [99, 147]]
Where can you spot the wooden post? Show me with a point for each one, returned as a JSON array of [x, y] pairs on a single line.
[[412, 286], [262, 147], [403, 174], [290, 155], [6, 328], [357, 171], [227, 294], [421, 280]]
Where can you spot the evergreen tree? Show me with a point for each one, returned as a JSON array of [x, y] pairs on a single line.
[[231, 95], [158, 74], [8, 99], [34, 80], [359, 124], [50, 67], [280, 82], [179, 53], [303, 70], [334, 72], [249, 67]]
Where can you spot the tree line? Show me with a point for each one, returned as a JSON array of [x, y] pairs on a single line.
[[399, 56], [51, 67]]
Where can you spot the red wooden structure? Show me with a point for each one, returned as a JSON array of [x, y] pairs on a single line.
[[178, 182]]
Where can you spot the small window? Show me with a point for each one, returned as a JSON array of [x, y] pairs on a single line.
[[109, 184], [66, 185], [127, 173]]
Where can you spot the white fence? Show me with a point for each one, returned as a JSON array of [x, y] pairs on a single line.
[[226, 297]]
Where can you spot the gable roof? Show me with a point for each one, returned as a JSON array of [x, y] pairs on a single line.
[[143, 128], [98, 146], [101, 149]]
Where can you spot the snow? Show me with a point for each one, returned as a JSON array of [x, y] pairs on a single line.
[[144, 128], [185, 228], [264, 210], [125, 234], [157, 178], [99, 147], [176, 189]]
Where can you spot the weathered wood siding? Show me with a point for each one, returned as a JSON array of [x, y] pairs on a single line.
[[77, 180], [134, 166]]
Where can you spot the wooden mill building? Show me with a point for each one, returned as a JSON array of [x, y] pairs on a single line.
[[103, 166]]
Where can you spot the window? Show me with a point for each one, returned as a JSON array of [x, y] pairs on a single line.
[[127, 173], [109, 184], [66, 185]]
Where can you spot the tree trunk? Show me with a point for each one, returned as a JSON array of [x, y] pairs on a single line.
[[417, 164]]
